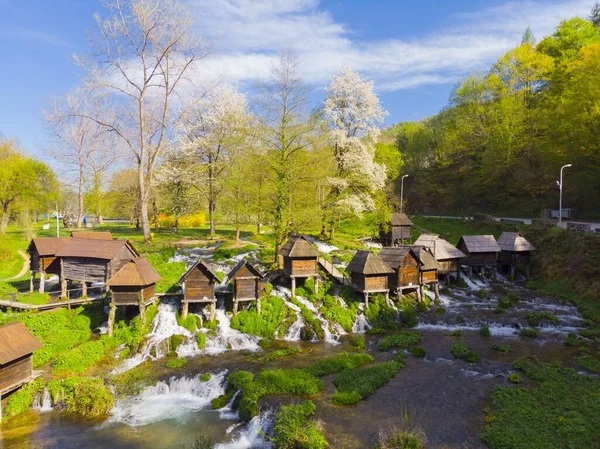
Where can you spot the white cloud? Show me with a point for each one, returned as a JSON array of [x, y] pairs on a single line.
[[249, 34]]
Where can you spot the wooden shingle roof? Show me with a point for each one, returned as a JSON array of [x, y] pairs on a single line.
[[480, 243], [514, 241], [400, 219], [204, 268], [365, 262], [441, 249], [135, 273], [48, 246], [100, 235], [16, 341], [298, 246], [94, 248], [241, 264], [426, 258], [393, 257]]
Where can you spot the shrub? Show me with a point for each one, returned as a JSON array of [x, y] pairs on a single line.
[[573, 339], [359, 341], [380, 315], [333, 311], [21, 400], [460, 351], [175, 341], [191, 322], [176, 363], [357, 384], [375, 331], [528, 333], [508, 301], [404, 339], [279, 353], [534, 318], [263, 324], [132, 382], [418, 351], [483, 294], [338, 363], [485, 331], [514, 378], [294, 428], [499, 310], [454, 333], [402, 439], [91, 398], [588, 363], [201, 340], [205, 377], [505, 349]]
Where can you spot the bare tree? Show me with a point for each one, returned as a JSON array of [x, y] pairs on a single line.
[[140, 67]]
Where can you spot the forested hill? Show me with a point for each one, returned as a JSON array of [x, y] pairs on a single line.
[[499, 143]]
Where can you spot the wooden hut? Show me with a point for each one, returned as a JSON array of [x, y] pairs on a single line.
[[400, 226], [132, 285], [42, 259], [94, 235], [369, 274], [405, 265], [428, 270], [514, 250], [246, 284], [300, 260], [448, 256], [198, 284], [92, 260], [481, 251], [16, 357]]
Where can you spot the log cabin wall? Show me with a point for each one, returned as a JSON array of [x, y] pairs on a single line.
[[376, 283], [198, 286], [358, 281], [246, 288], [304, 267], [122, 296], [16, 372], [408, 272], [449, 266], [85, 269], [429, 276], [514, 257], [34, 261], [400, 233]]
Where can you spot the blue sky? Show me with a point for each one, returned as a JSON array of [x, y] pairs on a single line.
[[414, 51]]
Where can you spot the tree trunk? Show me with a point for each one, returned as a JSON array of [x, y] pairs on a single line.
[[237, 233], [155, 214], [4, 217], [80, 199], [211, 199]]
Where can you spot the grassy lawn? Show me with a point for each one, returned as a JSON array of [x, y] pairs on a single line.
[[453, 228]]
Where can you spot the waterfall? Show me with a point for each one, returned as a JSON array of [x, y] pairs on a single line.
[[294, 332], [228, 412], [330, 337], [322, 246], [361, 324], [225, 339], [163, 327], [252, 435], [43, 403], [168, 400]]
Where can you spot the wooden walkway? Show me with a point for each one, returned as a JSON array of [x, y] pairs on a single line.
[[333, 271], [49, 306]]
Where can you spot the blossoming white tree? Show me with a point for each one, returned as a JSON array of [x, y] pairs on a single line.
[[353, 113]]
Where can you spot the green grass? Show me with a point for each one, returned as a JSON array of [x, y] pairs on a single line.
[[535, 318], [460, 351], [278, 354], [264, 324], [453, 228], [354, 385], [403, 339], [589, 363], [418, 351], [561, 411], [295, 429], [505, 349], [528, 332], [225, 252], [132, 382], [338, 363], [484, 331], [170, 272], [176, 363]]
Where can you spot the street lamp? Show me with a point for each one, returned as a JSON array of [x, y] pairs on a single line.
[[560, 186], [402, 191]]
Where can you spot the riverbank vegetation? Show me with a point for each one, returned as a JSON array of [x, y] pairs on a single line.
[[295, 428]]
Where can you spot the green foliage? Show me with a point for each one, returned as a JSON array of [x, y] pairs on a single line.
[[483, 293], [191, 322], [528, 332], [333, 311], [279, 353], [175, 341], [359, 341], [294, 428], [375, 331], [508, 301], [485, 331], [379, 314], [338, 363], [222, 253], [277, 381], [514, 378], [170, 272], [505, 349], [84, 356], [588, 363], [357, 384], [573, 339], [534, 318], [264, 324], [91, 398], [403, 339], [132, 382], [454, 333], [418, 351], [205, 377], [402, 439], [22, 400], [460, 351], [176, 363], [201, 340], [203, 442], [561, 412]]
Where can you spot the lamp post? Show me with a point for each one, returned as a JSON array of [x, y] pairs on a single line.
[[402, 192], [560, 186]]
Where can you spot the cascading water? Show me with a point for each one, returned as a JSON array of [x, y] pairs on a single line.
[[163, 327], [361, 324], [323, 247], [253, 435], [294, 332], [331, 333], [43, 402], [167, 400]]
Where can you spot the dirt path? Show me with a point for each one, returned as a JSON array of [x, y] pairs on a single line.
[[23, 271]]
